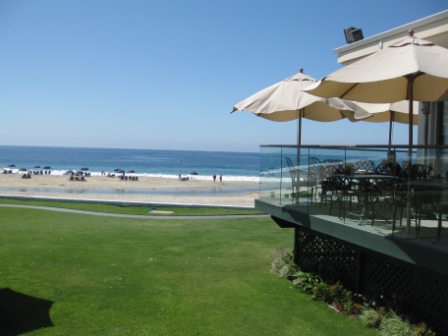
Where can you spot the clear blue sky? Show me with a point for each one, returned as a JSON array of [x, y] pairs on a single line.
[[166, 74]]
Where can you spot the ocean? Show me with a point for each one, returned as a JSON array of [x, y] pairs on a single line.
[[233, 166]]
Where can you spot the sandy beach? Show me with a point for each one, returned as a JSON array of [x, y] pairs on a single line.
[[145, 189]]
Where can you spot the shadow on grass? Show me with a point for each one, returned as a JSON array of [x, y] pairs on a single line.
[[20, 313]]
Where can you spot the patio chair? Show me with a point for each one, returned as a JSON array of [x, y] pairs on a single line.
[[366, 165], [330, 184], [315, 175], [423, 198], [298, 178]]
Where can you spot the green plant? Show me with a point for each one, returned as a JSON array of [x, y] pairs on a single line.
[[395, 325], [321, 292], [330, 294], [307, 282], [423, 330], [373, 318], [283, 263], [350, 306]]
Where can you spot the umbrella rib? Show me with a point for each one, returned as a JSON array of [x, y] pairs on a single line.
[[351, 88]]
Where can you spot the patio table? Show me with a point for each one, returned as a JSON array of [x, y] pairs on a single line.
[[366, 188]]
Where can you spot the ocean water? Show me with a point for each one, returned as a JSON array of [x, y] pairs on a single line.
[[233, 166]]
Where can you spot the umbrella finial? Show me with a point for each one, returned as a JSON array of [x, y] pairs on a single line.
[[301, 70], [410, 32]]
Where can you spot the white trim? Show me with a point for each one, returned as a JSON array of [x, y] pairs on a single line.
[[433, 28]]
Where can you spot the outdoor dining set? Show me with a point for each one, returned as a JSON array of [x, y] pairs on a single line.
[[372, 193]]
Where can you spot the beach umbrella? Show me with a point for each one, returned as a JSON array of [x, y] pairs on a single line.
[[193, 173], [36, 167], [84, 168], [411, 69], [23, 169], [11, 165], [285, 101], [47, 167], [131, 171]]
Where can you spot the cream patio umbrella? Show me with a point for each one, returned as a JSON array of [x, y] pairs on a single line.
[[387, 112], [285, 101], [411, 69]]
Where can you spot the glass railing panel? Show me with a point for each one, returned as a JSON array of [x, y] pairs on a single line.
[[318, 180], [271, 173]]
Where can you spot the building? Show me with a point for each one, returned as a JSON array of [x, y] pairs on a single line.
[[377, 234]]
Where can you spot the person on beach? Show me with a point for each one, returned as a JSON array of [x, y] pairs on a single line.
[[180, 175], [214, 177], [220, 178]]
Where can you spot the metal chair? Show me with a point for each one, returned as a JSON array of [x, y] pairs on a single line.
[[295, 178], [422, 198], [366, 165], [315, 175]]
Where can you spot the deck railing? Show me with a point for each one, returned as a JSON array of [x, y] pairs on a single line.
[[369, 185]]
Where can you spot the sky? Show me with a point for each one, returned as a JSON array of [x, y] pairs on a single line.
[[166, 74]]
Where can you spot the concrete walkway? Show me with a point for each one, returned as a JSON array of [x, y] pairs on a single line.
[[105, 214]]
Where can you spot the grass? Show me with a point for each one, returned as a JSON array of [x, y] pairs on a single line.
[[133, 210], [114, 276]]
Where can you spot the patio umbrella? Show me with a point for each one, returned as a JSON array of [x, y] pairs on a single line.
[[84, 168], [411, 69], [36, 167], [285, 101], [388, 112], [47, 167]]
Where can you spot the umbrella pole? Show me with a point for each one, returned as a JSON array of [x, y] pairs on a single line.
[[299, 143], [390, 128], [411, 104]]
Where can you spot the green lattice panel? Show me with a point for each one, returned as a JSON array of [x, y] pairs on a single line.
[[416, 292]]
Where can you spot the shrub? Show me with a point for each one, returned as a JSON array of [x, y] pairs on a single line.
[[373, 318], [373, 311], [307, 282], [283, 263], [330, 294], [394, 325], [423, 330]]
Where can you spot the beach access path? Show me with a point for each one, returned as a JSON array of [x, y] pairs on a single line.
[[104, 214]]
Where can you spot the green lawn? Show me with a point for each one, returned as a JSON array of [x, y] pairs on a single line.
[[115, 276]]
